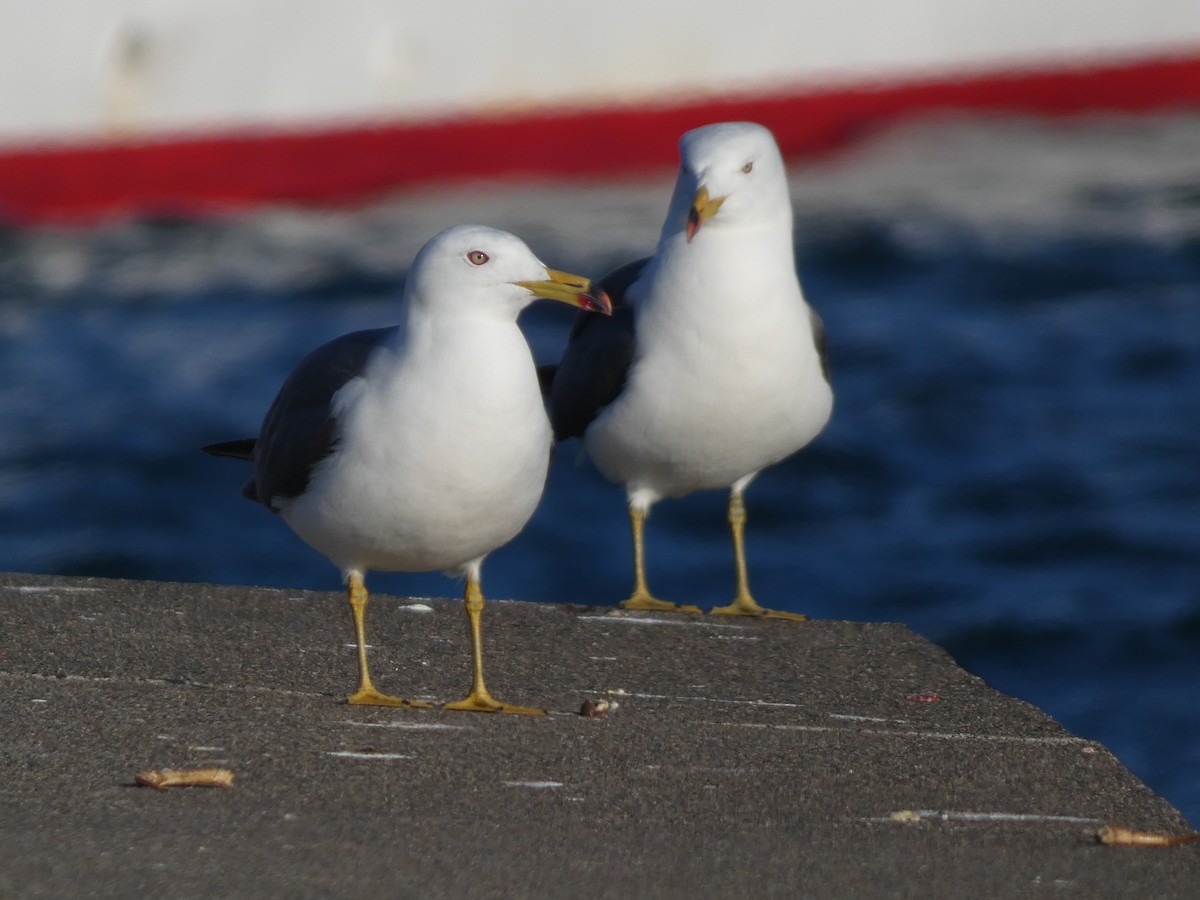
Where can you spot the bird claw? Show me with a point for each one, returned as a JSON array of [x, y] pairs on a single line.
[[474, 702], [372, 697], [780, 614], [748, 607], [646, 603]]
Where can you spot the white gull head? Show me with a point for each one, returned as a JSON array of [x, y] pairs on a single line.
[[474, 269], [733, 168]]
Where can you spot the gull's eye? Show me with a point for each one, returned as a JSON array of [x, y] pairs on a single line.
[[748, 167], [477, 257]]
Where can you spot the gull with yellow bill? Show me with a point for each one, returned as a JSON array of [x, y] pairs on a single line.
[[423, 446]]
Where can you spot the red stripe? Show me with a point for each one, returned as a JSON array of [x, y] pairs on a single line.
[[189, 174]]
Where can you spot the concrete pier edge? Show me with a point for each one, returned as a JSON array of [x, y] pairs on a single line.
[[742, 758]]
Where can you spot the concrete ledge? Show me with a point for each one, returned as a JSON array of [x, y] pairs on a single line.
[[746, 758]]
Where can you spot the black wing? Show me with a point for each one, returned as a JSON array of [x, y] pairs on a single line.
[[818, 330], [300, 429], [596, 361]]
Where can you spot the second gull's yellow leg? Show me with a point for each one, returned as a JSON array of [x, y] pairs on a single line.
[[641, 598], [743, 604]]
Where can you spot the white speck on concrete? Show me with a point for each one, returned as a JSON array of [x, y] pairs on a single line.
[[917, 815], [849, 718], [620, 692], [413, 726], [48, 588], [361, 754], [539, 785], [1049, 740], [695, 622]]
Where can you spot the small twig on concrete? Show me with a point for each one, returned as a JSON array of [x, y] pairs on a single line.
[[1116, 836], [161, 779]]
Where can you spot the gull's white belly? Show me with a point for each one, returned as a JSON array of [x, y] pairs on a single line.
[[398, 515], [680, 426], [418, 484]]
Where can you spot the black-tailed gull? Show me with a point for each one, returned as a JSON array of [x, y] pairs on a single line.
[[712, 366], [423, 446]]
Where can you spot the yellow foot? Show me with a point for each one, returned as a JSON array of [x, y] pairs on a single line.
[[372, 697], [484, 703], [748, 607], [641, 600]]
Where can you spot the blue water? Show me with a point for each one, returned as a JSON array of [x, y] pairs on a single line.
[[1013, 467]]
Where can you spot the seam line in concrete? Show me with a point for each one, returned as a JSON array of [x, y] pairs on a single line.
[[931, 735]]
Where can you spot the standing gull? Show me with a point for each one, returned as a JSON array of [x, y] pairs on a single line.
[[712, 366], [423, 446]]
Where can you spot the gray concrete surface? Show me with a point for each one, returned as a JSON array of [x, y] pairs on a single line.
[[746, 758]]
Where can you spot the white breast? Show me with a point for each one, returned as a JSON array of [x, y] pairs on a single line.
[[726, 379], [444, 454]]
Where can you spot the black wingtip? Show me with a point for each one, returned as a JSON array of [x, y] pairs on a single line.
[[239, 449]]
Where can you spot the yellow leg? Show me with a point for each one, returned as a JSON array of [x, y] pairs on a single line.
[[743, 604], [367, 695], [641, 598], [479, 700]]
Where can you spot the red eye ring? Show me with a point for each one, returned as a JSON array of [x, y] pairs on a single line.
[[477, 257]]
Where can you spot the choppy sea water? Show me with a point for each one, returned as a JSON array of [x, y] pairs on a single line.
[[1013, 467]]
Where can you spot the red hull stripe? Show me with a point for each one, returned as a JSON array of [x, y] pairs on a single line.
[[190, 174]]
